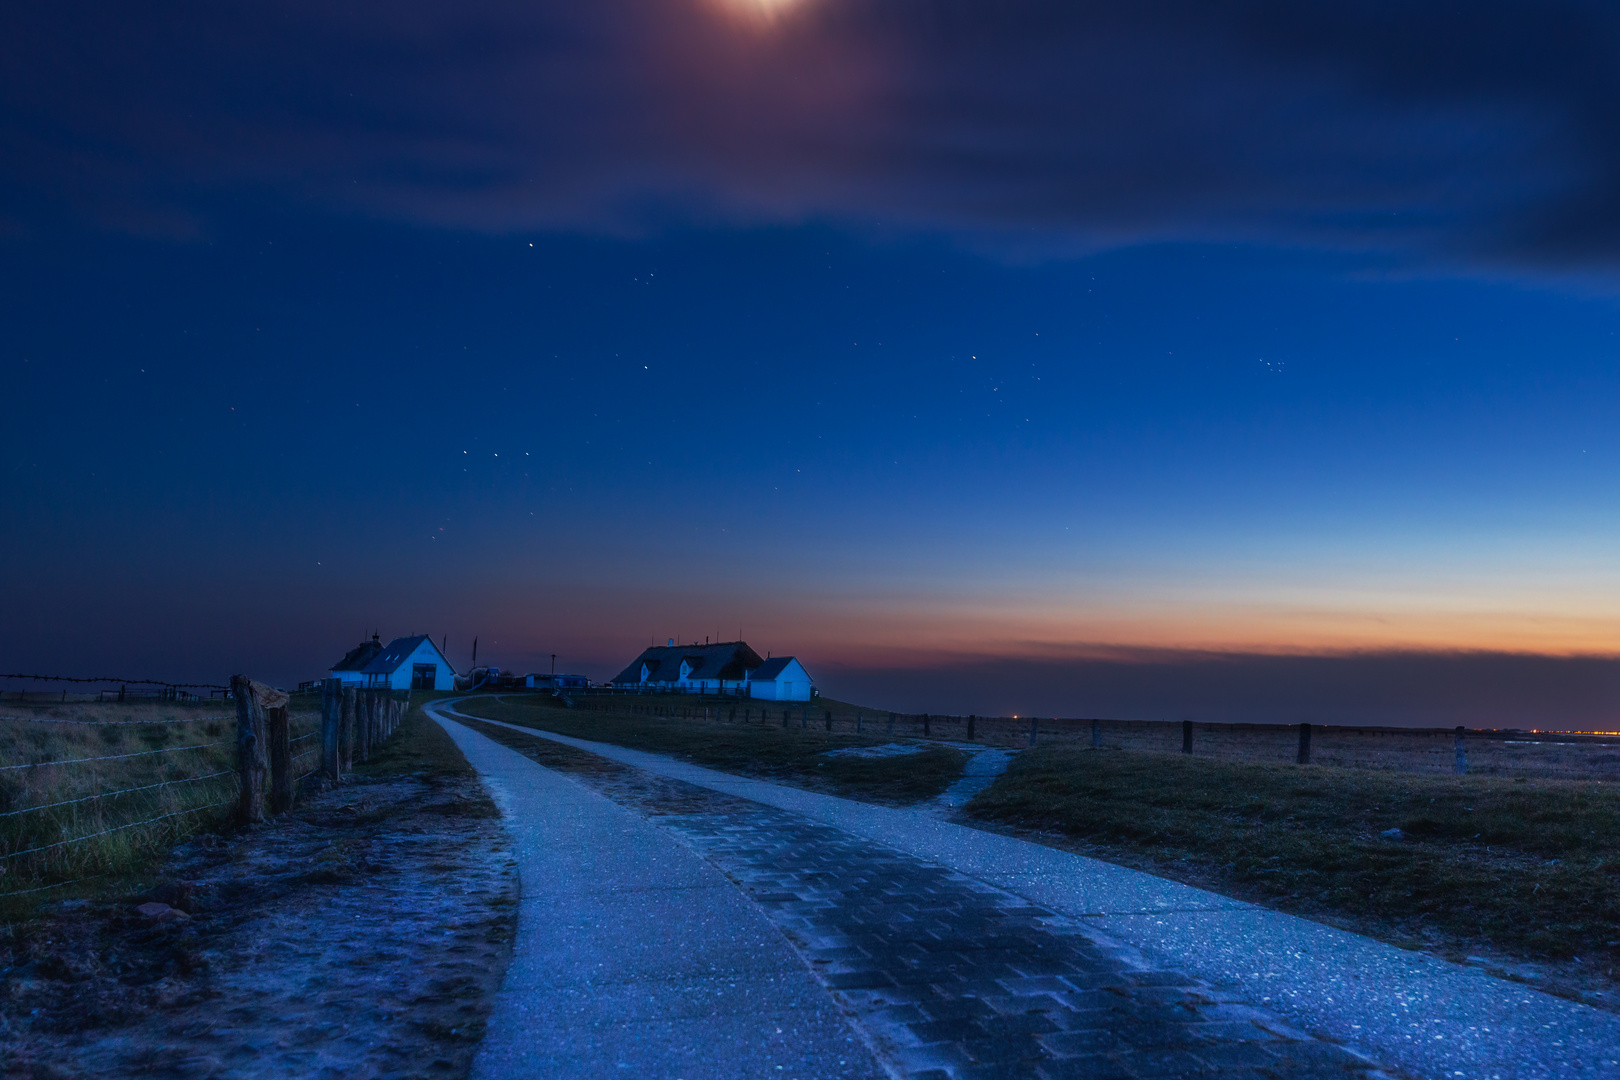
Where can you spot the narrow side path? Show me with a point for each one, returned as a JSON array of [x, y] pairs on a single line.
[[1404, 1009], [636, 958], [980, 772]]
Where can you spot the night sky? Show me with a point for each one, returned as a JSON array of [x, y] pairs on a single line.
[[1162, 359]]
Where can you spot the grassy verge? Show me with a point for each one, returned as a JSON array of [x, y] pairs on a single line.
[[418, 746], [769, 751], [133, 780], [1529, 869], [92, 794]]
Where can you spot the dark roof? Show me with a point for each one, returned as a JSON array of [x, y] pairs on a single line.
[[395, 654], [771, 668], [359, 656], [729, 660]]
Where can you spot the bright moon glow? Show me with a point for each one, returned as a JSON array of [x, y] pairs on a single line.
[[762, 10]]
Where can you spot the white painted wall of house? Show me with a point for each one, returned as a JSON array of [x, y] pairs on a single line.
[[424, 653], [792, 683]]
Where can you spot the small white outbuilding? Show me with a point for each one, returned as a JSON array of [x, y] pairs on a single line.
[[780, 679]]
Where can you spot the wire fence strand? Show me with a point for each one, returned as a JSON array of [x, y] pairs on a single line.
[[113, 757], [115, 828], [114, 723], [123, 791], [58, 885]]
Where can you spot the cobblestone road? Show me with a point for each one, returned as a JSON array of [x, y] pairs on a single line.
[[947, 976]]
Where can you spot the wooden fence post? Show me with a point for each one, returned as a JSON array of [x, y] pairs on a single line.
[[829, 719], [346, 729], [857, 722], [787, 713], [361, 699], [1096, 734], [281, 779], [973, 720], [926, 731], [331, 724], [1186, 736], [1034, 730], [249, 750], [804, 717], [1462, 755], [1304, 744]]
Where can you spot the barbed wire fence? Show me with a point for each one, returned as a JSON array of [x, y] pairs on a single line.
[[67, 818]]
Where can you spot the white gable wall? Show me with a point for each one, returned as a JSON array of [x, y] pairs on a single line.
[[424, 653], [792, 683]]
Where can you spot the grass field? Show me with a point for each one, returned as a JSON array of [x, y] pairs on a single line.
[[766, 750], [93, 794], [1527, 868]]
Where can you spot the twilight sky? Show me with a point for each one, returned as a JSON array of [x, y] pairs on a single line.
[[1161, 359]]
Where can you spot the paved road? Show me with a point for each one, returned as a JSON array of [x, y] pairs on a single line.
[[962, 953], [636, 958]]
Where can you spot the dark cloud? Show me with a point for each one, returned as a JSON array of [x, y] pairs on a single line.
[[1408, 689], [1485, 131]]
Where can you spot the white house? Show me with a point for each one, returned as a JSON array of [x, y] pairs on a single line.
[[347, 670], [410, 663], [727, 667], [781, 679]]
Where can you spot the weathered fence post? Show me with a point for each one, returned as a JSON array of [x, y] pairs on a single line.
[[1304, 744], [1186, 736], [829, 719], [249, 750], [891, 723], [1096, 734], [787, 715], [281, 780], [804, 717], [331, 724], [346, 708], [362, 700], [926, 726], [1034, 730], [972, 721], [1462, 755], [857, 722]]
